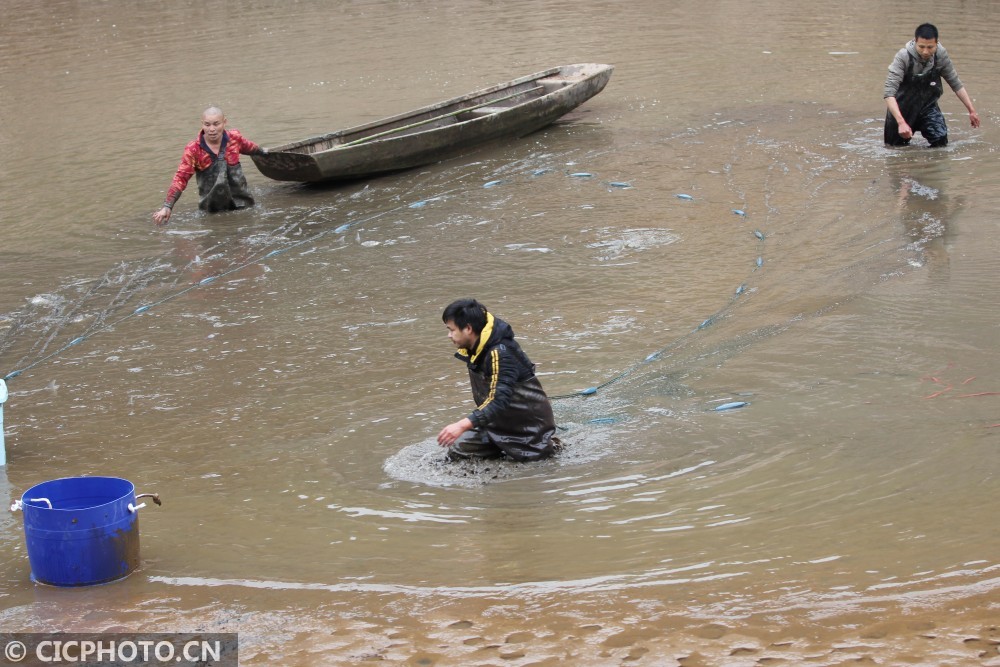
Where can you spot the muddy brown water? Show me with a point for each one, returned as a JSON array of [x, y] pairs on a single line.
[[285, 411]]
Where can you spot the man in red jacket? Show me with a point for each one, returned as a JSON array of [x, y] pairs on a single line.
[[214, 156]]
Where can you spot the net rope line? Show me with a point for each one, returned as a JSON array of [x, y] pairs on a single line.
[[255, 259], [658, 354], [340, 229]]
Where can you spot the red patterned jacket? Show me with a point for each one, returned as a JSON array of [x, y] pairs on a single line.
[[196, 158]]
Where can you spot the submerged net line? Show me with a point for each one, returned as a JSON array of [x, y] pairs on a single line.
[[658, 354], [103, 323]]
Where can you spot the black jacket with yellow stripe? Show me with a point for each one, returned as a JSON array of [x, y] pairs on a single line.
[[512, 409]]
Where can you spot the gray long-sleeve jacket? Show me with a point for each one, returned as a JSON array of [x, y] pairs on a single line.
[[908, 54]]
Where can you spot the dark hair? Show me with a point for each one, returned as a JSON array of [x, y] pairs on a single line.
[[466, 312], [926, 31]]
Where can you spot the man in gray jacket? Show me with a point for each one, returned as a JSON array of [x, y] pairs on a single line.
[[913, 87]]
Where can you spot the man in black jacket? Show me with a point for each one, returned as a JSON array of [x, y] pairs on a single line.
[[513, 416]]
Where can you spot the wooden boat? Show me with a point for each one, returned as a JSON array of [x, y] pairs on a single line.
[[432, 133]]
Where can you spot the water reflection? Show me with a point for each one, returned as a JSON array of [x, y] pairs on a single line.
[[926, 209]]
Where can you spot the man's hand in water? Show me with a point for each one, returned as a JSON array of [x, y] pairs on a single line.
[[452, 432], [162, 216]]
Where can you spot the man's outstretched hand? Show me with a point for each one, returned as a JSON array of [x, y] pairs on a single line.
[[452, 432], [162, 216]]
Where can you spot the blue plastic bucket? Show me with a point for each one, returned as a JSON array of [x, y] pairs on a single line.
[[81, 531]]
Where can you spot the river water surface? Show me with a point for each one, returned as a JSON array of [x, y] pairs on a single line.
[[285, 411]]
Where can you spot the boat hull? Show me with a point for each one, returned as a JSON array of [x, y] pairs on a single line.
[[435, 132]]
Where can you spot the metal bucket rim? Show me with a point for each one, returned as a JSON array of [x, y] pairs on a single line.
[[26, 503]]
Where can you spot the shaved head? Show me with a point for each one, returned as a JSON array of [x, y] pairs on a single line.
[[212, 111]]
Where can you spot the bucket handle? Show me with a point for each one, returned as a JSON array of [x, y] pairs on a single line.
[[135, 508], [17, 505]]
